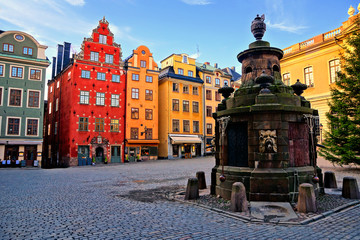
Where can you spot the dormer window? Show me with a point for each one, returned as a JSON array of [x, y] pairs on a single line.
[[102, 39], [185, 59], [27, 51], [8, 47]]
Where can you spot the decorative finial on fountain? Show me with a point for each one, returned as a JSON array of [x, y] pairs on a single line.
[[226, 91], [258, 27], [299, 87]]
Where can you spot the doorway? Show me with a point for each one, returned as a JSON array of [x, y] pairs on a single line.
[[83, 155], [99, 154], [115, 154], [175, 150], [132, 154], [30, 154], [11, 152]]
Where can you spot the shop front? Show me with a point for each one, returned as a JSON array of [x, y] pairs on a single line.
[[185, 146], [141, 150]]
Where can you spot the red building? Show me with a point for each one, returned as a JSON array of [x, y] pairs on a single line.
[[86, 101]]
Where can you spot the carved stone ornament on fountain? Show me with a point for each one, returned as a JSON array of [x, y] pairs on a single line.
[[258, 27]]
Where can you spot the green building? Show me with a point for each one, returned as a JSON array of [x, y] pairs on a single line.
[[22, 79]]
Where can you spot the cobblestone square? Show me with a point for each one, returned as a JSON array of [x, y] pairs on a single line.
[[90, 203]]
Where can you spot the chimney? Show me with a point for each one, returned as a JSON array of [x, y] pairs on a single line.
[[66, 55], [233, 68], [215, 65], [59, 58], [207, 63], [53, 72]]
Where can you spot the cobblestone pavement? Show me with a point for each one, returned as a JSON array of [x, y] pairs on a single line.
[[90, 203]]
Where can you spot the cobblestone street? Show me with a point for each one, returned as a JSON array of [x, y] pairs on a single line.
[[90, 203]]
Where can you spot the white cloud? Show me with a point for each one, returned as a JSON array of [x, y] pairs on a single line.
[[76, 2], [286, 28], [197, 2]]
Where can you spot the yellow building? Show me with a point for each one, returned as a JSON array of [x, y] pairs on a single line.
[[315, 62], [141, 134], [181, 115], [214, 78]]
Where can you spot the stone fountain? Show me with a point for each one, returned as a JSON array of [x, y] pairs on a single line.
[[266, 132]]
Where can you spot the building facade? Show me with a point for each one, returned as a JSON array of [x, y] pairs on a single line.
[[315, 63], [86, 103], [22, 78], [181, 114], [141, 134], [214, 78]]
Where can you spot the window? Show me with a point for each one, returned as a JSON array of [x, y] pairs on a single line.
[[8, 47], [148, 133], [186, 106], [175, 125], [135, 93], [190, 73], [84, 97], [195, 107], [57, 105], [115, 100], [13, 126], [94, 56], [83, 124], [309, 78], [181, 71], [100, 99], [16, 72], [55, 128], [135, 77], [208, 79], [209, 128], [51, 89], [195, 91], [109, 58], [15, 97], [196, 126], [185, 59], [208, 94], [114, 125], [185, 88], [149, 79], [34, 99], [334, 68], [58, 84], [217, 82], [115, 78], [85, 74], [186, 126], [101, 76], [175, 87], [286, 79], [99, 124], [50, 108], [143, 64], [226, 82], [32, 127], [1, 70], [148, 114], [175, 104], [1, 96], [102, 39], [208, 111], [134, 133], [134, 113], [217, 96], [27, 51], [49, 129], [148, 94], [35, 74]]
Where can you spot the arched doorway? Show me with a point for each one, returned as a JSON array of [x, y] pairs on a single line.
[[99, 154]]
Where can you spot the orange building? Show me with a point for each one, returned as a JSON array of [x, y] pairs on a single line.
[[141, 132], [181, 115]]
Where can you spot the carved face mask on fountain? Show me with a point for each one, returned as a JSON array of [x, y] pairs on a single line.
[[267, 141]]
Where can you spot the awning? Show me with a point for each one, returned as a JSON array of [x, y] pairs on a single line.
[[178, 140], [143, 141], [20, 142]]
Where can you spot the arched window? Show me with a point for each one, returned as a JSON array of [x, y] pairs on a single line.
[[276, 68], [248, 70]]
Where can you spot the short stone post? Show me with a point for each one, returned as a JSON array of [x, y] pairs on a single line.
[[350, 188], [239, 202], [192, 189], [201, 179], [321, 180], [306, 200], [330, 180]]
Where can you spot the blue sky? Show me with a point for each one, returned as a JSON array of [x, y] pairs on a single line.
[[214, 31]]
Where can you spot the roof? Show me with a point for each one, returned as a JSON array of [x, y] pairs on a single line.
[[169, 72], [25, 58], [235, 75], [208, 67]]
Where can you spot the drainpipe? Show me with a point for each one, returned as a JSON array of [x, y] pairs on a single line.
[[125, 109]]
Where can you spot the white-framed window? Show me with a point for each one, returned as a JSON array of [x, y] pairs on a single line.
[[115, 78], [334, 66], [17, 72], [185, 59], [217, 82], [32, 127], [109, 58], [309, 77], [135, 77], [115, 100], [190, 73], [58, 84], [286, 78], [102, 39], [2, 70], [35, 74], [85, 74], [84, 97], [1, 95], [181, 71], [135, 93], [57, 104], [208, 79], [149, 79], [13, 126], [101, 76], [15, 97], [100, 99], [50, 107], [33, 100], [94, 56]]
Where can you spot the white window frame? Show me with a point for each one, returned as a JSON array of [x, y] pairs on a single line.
[[334, 59], [115, 100], [49, 107], [100, 100], [29, 74], [2, 96], [58, 84], [312, 74], [102, 39], [18, 66], [101, 74], [22, 97], [28, 98], [85, 75], [3, 65], [26, 126], [117, 76], [7, 125], [85, 97], [94, 56], [109, 58], [57, 104]]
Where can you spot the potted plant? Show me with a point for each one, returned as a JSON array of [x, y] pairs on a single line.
[[93, 161], [106, 160]]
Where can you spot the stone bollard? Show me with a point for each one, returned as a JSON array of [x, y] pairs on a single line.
[[306, 200], [192, 189], [350, 188], [239, 202], [330, 180], [201, 179]]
